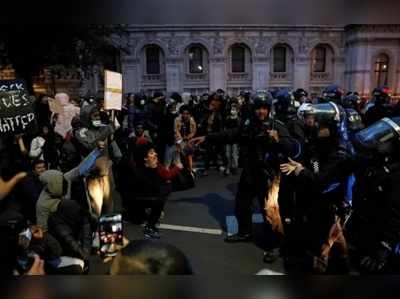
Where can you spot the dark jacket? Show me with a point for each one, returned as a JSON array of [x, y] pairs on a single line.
[[156, 113], [216, 126], [377, 205], [70, 225], [375, 113], [151, 182], [260, 155], [30, 190], [167, 130], [320, 192], [47, 248]]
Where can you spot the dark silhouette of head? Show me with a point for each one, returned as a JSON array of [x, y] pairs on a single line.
[[146, 257]]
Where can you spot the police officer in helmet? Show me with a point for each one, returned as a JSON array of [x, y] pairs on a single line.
[[380, 108], [263, 143], [376, 197], [321, 180], [332, 93]]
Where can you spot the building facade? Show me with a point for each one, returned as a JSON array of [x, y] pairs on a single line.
[[202, 58], [199, 58]]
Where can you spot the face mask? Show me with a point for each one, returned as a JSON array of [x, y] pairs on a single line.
[[142, 102], [96, 123]]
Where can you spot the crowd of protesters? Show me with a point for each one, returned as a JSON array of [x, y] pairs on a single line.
[[325, 172]]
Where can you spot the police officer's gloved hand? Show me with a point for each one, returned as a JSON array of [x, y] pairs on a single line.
[[378, 262], [396, 250]]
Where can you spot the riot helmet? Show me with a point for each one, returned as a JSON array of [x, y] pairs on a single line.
[[332, 93], [300, 95], [324, 112], [381, 138], [381, 95], [262, 98], [351, 100], [284, 102]]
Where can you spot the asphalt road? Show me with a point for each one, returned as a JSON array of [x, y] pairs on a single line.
[[203, 211]]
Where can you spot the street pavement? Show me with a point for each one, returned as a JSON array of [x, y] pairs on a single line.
[[195, 221]]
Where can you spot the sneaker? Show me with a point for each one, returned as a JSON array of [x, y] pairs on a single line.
[[227, 172], [151, 233]]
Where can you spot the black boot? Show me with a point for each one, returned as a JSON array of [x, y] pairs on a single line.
[[271, 255], [238, 238]]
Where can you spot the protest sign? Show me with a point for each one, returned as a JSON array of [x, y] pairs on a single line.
[[16, 108], [55, 106], [112, 90]]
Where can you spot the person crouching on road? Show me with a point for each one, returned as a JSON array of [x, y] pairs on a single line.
[[148, 184]]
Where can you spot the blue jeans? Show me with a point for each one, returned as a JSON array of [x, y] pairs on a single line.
[[171, 155], [232, 155]]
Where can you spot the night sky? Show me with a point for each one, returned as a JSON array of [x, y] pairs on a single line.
[[330, 12]]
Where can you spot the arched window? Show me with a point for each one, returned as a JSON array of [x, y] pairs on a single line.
[[319, 60], [153, 60], [279, 55], [196, 60], [382, 70], [238, 59]]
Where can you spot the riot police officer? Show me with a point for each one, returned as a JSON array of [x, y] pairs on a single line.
[[301, 96], [321, 182], [351, 103], [376, 197], [286, 112], [380, 107], [263, 142], [332, 93]]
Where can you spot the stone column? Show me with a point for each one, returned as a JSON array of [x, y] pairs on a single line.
[[131, 75], [218, 73], [174, 73], [396, 90], [261, 67], [360, 74], [302, 73], [339, 69]]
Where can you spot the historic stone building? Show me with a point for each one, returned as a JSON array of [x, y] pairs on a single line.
[[199, 58]]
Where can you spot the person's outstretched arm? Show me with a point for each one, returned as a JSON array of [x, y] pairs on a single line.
[[7, 187]]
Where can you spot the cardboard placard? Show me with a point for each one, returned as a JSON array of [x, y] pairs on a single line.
[[55, 106], [112, 90], [16, 108]]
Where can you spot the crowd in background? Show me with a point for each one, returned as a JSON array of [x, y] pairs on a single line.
[[58, 181]]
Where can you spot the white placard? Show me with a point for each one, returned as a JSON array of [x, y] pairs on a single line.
[[112, 90]]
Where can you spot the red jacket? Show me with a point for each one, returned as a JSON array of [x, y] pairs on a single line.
[[167, 174]]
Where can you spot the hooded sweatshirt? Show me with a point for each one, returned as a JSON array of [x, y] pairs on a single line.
[[53, 181], [87, 135]]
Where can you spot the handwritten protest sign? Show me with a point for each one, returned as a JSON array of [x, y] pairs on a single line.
[[112, 91], [16, 108]]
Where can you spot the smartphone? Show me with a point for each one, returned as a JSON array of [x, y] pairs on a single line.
[[110, 234], [25, 261]]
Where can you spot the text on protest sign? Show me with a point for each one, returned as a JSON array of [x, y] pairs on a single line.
[[112, 90], [16, 107]]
